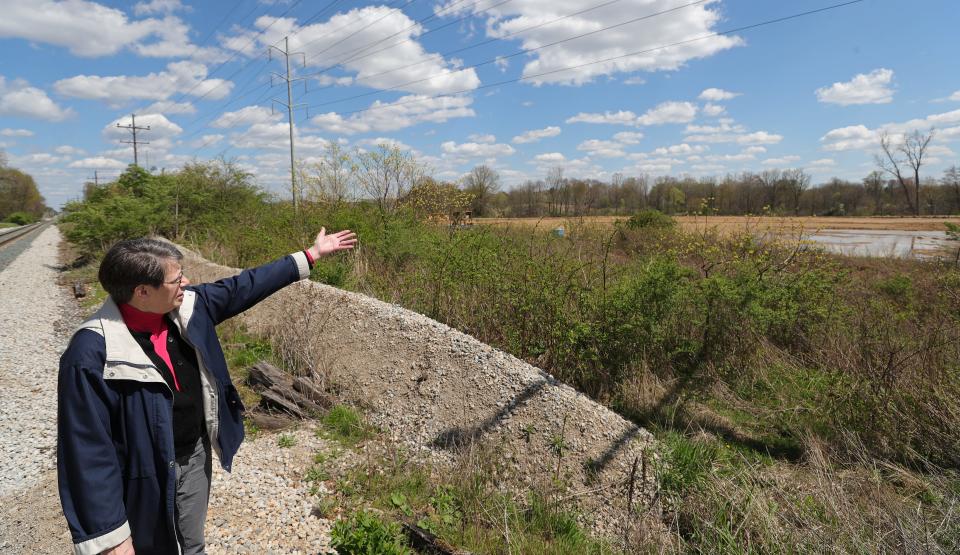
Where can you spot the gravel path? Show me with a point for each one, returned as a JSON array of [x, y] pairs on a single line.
[[36, 322], [264, 506], [32, 304]]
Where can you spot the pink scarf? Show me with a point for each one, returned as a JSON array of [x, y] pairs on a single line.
[[140, 321]]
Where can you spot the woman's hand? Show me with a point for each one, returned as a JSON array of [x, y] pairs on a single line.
[[326, 244]]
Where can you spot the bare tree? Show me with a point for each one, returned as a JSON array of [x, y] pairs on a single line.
[[387, 174], [873, 184], [482, 183], [770, 181], [904, 155], [332, 179], [951, 179], [797, 181]]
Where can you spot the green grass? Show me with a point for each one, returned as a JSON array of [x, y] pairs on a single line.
[[286, 441], [345, 425], [4, 225]]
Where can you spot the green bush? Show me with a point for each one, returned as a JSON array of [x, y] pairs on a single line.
[[650, 218], [364, 533], [21, 218]]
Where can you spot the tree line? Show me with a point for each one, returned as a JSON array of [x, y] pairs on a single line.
[[20, 200]]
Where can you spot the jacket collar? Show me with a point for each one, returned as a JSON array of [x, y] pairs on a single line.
[[121, 347]]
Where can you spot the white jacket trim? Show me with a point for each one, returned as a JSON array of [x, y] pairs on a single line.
[[102, 543], [302, 265]]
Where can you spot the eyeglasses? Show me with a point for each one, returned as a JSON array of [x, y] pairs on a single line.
[[176, 281]]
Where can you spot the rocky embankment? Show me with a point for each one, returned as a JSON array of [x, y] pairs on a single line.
[[441, 392]]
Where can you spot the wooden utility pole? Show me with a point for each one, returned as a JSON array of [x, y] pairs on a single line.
[[133, 128], [290, 107]]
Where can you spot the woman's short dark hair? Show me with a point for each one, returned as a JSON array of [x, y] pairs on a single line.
[[135, 262]]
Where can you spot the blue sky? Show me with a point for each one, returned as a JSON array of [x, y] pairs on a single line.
[[812, 92]]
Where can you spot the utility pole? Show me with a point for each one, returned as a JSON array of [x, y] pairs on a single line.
[[133, 127], [290, 107]]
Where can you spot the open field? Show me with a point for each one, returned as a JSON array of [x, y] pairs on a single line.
[[730, 224]]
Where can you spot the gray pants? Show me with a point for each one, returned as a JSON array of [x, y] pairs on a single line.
[[193, 495]]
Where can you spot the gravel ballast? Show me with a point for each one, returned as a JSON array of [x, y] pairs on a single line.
[[36, 325]]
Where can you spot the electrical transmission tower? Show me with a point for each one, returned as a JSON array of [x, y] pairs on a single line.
[[290, 107], [133, 128]]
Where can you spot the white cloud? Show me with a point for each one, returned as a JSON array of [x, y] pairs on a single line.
[[852, 137], [782, 161], [170, 107], [864, 88], [68, 150], [340, 39], [18, 98], [717, 95], [955, 96], [478, 138], [98, 163], [405, 112], [476, 150], [16, 132], [669, 112], [603, 149], [665, 112], [635, 81], [161, 130], [754, 150], [159, 7], [713, 110], [729, 132], [628, 137], [759, 138], [89, 29], [679, 150], [550, 158], [179, 77], [535, 135], [245, 116], [623, 117], [207, 140], [387, 141], [548, 65], [823, 163]]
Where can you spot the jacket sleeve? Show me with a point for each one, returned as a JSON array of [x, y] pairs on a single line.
[[228, 297], [88, 470]]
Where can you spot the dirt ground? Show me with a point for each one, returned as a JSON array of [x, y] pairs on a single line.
[[733, 224]]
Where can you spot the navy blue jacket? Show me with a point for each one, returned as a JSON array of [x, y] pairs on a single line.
[[115, 455]]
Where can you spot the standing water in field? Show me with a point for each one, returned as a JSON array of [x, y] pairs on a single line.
[[898, 244]]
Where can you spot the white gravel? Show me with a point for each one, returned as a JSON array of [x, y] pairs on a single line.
[[31, 305]]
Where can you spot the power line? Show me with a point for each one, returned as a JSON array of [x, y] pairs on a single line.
[[605, 60], [612, 58], [181, 96], [290, 107], [249, 62], [472, 46], [358, 20], [515, 54], [409, 39], [133, 128]]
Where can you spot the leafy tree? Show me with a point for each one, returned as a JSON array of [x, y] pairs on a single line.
[[19, 193]]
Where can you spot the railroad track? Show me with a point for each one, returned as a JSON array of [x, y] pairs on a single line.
[[8, 235]]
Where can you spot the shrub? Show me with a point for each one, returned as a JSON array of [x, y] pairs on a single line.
[[650, 218], [20, 218], [364, 533]]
